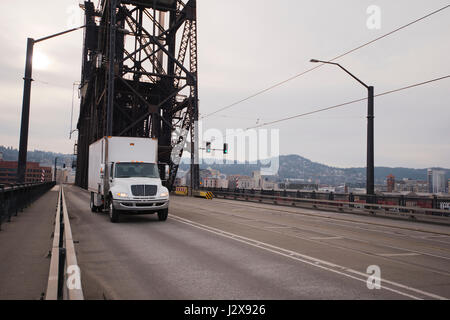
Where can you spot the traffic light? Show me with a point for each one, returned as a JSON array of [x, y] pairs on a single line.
[[208, 147], [225, 148]]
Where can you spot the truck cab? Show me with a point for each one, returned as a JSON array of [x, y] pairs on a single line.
[[135, 187]]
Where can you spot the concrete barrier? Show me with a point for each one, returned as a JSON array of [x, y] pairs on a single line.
[[203, 194]]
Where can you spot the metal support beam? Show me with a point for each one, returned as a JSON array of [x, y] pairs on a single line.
[[370, 168], [25, 121], [370, 143], [111, 67], [23, 144], [131, 88]]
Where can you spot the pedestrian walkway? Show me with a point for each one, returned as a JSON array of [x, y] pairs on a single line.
[[24, 246]]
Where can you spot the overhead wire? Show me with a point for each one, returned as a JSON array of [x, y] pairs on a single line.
[[320, 65], [347, 103]]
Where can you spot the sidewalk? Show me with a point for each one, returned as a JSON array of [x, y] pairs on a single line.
[[24, 245]]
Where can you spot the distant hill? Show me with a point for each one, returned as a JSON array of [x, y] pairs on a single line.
[[291, 167], [298, 167], [45, 158]]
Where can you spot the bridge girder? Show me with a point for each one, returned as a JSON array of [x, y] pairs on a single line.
[[135, 79]]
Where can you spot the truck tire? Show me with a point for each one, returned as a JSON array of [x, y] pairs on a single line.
[[91, 204], [163, 214], [114, 215]]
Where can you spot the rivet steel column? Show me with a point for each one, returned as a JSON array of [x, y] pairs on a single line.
[[370, 144], [23, 144]]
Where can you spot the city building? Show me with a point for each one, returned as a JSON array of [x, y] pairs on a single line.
[[34, 172], [240, 182], [390, 181], [410, 185], [300, 184], [436, 181], [217, 181], [262, 182]]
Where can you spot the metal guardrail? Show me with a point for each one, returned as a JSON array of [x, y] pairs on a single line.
[[410, 200], [64, 281], [16, 198], [421, 214]]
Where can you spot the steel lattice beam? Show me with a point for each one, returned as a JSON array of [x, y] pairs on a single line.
[[134, 74]]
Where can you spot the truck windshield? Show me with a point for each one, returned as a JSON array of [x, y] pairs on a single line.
[[133, 170]]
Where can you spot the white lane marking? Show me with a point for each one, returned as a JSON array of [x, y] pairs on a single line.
[[362, 240], [304, 258], [283, 227], [438, 236], [325, 215], [326, 238], [398, 254]]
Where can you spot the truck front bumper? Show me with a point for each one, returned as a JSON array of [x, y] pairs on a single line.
[[141, 205]]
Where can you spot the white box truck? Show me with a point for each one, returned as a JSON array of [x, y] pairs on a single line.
[[124, 177]]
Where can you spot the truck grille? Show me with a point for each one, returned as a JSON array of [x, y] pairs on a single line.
[[143, 190]]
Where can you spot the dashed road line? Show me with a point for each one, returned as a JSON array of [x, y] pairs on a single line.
[[398, 254], [326, 238]]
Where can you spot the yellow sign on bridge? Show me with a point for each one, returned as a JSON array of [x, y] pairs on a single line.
[[182, 191]]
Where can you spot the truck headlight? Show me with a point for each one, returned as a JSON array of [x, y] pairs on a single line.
[[122, 194], [164, 194]]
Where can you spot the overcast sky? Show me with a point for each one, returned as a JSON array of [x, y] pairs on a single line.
[[248, 45]]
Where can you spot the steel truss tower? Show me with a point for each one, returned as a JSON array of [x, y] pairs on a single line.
[[139, 78]]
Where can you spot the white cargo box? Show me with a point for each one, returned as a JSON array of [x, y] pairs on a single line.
[[120, 149]]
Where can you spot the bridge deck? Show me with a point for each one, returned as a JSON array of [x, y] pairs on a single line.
[[24, 244], [224, 249]]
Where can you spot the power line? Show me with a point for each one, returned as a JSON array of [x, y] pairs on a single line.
[[347, 103], [320, 65]]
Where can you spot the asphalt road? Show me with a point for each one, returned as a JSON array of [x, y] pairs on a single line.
[[225, 249]]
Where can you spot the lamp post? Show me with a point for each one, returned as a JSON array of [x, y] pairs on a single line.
[[56, 159], [370, 173], [23, 144]]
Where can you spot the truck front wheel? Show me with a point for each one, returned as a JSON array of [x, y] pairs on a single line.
[[94, 208], [113, 213], [162, 214]]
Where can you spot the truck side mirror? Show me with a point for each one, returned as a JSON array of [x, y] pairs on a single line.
[[111, 170], [163, 169]]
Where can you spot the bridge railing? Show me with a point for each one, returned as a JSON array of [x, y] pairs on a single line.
[[64, 278], [15, 198], [344, 203], [432, 201]]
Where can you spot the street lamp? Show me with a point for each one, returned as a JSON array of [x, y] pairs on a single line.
[[54, 173], [370, 182], [23, 144]]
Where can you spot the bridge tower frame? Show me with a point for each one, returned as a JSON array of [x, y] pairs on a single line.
[[139, 79]]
